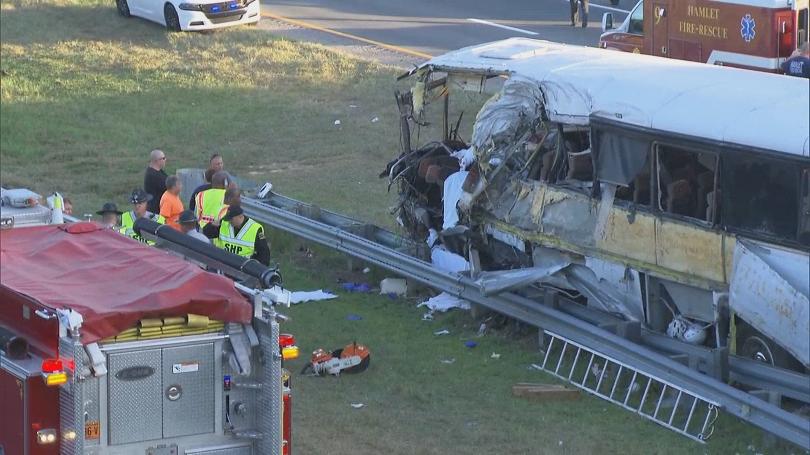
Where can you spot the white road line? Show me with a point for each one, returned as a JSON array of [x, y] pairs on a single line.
[[493, 24], [609, 8]]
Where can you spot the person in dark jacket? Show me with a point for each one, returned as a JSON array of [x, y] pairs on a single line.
[[154, 181], [575, 4], [799, 62]]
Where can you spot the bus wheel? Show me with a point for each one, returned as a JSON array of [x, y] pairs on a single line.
[[754, 345]]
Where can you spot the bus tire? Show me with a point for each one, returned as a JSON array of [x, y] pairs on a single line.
[[752, 344]]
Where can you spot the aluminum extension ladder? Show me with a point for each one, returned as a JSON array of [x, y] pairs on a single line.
[[653, 398]]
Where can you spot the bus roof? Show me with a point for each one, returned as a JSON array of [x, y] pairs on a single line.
[[747, 108]]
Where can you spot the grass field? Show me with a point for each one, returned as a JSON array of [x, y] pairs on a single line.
[[86, 95]]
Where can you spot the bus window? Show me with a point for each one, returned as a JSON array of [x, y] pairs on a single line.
[[760, 195], [803, 27], [686, 182], [636, 25]]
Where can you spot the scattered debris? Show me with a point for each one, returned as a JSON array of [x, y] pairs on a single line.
[[495, 355], [448, 361], [544, 392], [357, 405], [352, 358], [354, 317], [337, 122], [470, 344], [367, 270], [444, 302], [375, 120], [442, 332], [482, 329], [427, 316], [397, 286], [356, 287], [310, 296], [353, 106]]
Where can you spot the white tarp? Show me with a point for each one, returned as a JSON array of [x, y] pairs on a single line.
[[444, 302], [769, 290], [310, 296]]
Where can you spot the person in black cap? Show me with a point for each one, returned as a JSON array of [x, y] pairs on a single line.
[[109, 215], [139, 199], [188, 225], [240, 235]]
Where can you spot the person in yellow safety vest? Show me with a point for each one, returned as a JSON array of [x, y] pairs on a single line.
[[233, 196], [209, 202], [138, 199], [238, 234]]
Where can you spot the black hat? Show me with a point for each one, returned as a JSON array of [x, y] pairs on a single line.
[[109, 207], [139, 196], [186, 217], [233, 210]]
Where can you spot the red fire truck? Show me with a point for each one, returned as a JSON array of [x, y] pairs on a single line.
[[753, 34], [109, 346]]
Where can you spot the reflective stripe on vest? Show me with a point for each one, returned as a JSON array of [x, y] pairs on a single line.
[[241, 243], [209, 203], [128, 225]]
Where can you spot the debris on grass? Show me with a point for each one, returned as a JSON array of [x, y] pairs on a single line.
[[442, 332], [495, 355], [357, 405], [444, 302], [427, 316], [367, 270], [354, 317], [396, 286], [375, 120], [310, 296], [470, 344], [337, 122], [356, 287], [448, 361], [544, 392], [482, 329]]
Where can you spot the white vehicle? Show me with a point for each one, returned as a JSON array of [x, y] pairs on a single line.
[[191, 15]]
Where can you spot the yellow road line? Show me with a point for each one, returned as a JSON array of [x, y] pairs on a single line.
[[312, 26]]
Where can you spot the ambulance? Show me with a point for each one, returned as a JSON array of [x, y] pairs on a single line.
[[752, 34]]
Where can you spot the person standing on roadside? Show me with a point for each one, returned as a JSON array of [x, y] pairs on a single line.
[[154, 181], [170, 203], [139, 200], [215, 164], [799, 62], [240, 235], [188, 226], [575, 5], [209, 202]]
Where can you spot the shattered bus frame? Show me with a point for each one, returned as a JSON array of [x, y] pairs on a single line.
[[666, 192]]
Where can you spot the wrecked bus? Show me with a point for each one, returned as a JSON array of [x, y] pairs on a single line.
[[661, 191], [748, 34]]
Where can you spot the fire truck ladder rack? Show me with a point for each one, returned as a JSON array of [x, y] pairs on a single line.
[[644, 360]]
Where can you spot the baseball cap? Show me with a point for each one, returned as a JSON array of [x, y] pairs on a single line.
[[139, 196]]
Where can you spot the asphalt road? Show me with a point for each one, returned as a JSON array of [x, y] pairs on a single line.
[[437, 26]]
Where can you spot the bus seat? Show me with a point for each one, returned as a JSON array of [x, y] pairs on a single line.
[[641, 192], [580, 167], [705, 186], [680, 199]]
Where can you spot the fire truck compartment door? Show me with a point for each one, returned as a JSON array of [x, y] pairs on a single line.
[[135, 396], [188, 390]]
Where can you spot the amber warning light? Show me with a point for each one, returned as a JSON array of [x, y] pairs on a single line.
[[53, 372], [289, 350]]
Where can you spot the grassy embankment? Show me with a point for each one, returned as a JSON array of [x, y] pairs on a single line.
[[86, 95]]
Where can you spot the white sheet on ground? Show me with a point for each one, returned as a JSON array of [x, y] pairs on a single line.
[[310, 296], [444, 302], [452, 193], [447, 261]]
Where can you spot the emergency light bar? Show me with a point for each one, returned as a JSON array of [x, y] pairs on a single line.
[[53, 372]]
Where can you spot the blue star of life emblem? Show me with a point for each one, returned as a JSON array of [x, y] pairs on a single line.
[[748, 28]]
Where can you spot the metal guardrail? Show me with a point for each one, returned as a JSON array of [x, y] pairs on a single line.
[[281, 214]]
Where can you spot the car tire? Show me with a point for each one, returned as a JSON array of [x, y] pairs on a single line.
[[123, 8], [171, 18]]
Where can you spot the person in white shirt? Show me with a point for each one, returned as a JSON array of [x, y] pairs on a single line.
[[188, 225]]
